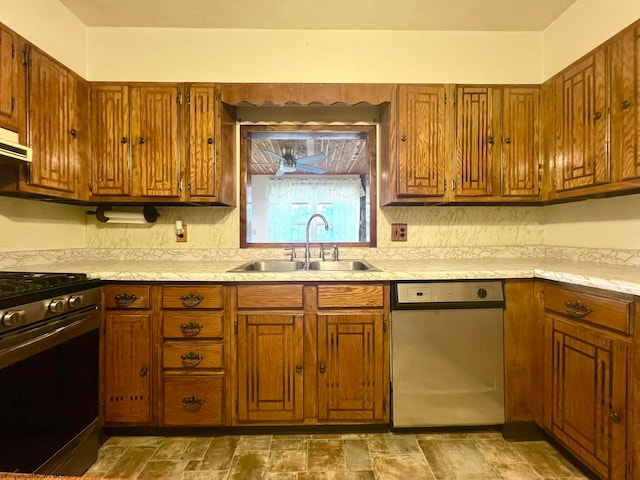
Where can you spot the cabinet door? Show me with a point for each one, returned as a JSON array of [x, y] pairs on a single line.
[[625, 125], [110, 140], [204, 176], [9, 68], [586, 378], [581, 125], [520, 142], [51, 129], [422, 140], [475, 142], [270, 364], [351, 380], [155, 149], [127, 365]]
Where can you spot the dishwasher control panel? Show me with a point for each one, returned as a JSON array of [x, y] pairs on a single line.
[[454, 292]]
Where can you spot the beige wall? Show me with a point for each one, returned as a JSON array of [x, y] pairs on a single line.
[[37, 225]]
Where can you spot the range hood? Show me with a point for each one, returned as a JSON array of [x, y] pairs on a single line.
[[11, 151]]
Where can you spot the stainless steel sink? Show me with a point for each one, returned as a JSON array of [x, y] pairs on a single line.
[[270, 266], [341, 266]]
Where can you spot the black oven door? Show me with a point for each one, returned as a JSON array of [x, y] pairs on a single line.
[[49, 382]]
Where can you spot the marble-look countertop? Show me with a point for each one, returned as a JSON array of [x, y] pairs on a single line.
[[619, 278]]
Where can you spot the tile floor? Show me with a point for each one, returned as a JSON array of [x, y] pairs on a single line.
[[383, 456]]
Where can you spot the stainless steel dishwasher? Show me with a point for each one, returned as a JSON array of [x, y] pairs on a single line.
[[447, 353]]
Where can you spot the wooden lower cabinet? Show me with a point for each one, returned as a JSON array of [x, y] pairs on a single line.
[[586, 378], [351, 381], [269, 367], [191, 399], [311, 354]]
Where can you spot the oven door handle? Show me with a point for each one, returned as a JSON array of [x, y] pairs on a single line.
[[27, 343]]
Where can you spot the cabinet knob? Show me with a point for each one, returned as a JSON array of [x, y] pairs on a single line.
[[74, 132], [403, 138], [124, 140], [597, 116], [299, 368], [507, 140], [141, 140], [616, 417], [322, 367], [490, 140], [143, 371], [625, 104], [210, 140]]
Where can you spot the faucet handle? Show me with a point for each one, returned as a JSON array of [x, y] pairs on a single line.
[[336, 255], [292, 255]]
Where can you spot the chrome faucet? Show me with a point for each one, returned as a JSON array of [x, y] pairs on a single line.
[[307, 253]]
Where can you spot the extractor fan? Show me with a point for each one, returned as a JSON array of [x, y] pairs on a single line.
[[289, 164]]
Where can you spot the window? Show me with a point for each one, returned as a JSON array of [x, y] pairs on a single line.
[[294, 171]]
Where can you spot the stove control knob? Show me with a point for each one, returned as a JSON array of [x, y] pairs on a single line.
[[76, 301], [56, 306], [14, 318]]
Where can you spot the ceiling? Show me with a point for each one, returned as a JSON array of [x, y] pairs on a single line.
[[469, 15]]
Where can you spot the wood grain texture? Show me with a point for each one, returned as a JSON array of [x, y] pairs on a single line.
[[270, 296], [192, 325], [111, 292], [206, 388], [10, 101], [350, 295], [173, 352], [179, 296]]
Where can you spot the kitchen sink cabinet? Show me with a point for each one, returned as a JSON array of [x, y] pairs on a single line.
[[193, 355], [136, 150], [311, 353], [128, 354], [587, 364], [11, 81]]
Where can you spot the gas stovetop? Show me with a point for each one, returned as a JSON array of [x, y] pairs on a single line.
[[27, 297]]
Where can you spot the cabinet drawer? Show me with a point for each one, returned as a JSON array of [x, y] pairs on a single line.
[[191, 356], [350, 295], [607, 312], [192, 325], [194, 296], [270, 296], [193, 399], [126, 296]]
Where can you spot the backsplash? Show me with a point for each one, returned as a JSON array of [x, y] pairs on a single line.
[[218, 227]]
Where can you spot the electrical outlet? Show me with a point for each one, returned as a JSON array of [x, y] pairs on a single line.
[[183, 237], [398, 232]]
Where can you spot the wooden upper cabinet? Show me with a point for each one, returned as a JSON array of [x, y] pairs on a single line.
[[10, 69], [475, 142], [154, 131], [110, 140], [204, 178], [581, 124], [625, 125], [55, 125], [520, 141], [422, 137]]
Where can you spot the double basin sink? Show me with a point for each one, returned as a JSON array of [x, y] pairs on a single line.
[[295, 266]]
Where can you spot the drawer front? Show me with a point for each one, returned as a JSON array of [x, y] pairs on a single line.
[[350, 295], [193, 400], [194, 296], [126, 296], [270, 296], [192, 325], [607, 312], [191, 356]]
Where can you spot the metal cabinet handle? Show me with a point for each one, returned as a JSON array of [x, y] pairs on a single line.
[[74, 132], [490, 140], [298, 368], [191, 329], [625, 104], [577, 309], [141, 140], [124, 140], [507, 140], [125, 299], [616, 417], [322, 367], [403, 138], [210, 140], [597, 116], [191, 359], [143, 371], [192, 404], [191, 300]]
